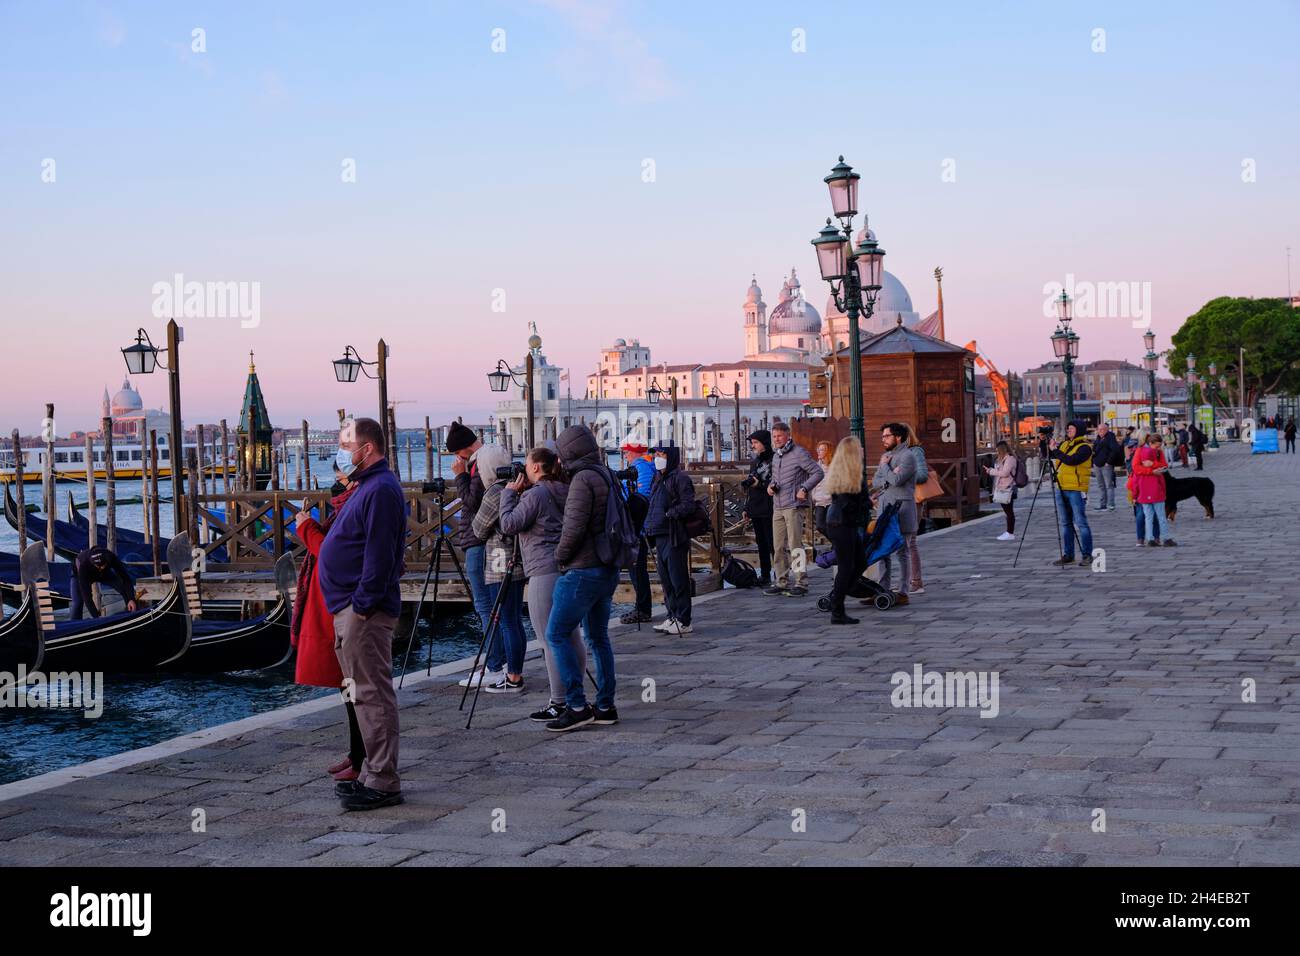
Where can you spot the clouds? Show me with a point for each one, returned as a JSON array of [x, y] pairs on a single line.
[[605, 47]]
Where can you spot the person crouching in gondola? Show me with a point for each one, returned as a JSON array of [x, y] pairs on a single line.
[[846, 517], [98, 566], [312, 629]]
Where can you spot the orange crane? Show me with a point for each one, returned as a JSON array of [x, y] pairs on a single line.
[[1001, 391]]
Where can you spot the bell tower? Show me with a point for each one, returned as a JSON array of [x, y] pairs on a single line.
[[755, 320]]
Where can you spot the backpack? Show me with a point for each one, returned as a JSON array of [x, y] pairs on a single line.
[[738, 573], [638, 506], [697, 523], [617, 544], [1022, 475]]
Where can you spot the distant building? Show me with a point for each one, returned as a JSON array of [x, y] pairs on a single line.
[[1046, 383], [131, 421]]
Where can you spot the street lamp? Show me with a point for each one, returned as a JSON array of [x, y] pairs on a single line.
[[141, 359], [854, 275], [351, 364], [1214, 381], [1189, 381], [1065, 345], [1151, 362], [830, 387], [654, 392], [712, 397], [499, 380]]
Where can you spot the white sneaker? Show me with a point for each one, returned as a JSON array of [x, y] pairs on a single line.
[[1006, 536], [482, 676], [680, 629], [665, 625]]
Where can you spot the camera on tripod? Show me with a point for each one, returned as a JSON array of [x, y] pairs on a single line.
[[434, 486], [627, 474], [511, 471]]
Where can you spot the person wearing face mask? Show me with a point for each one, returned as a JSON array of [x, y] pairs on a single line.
[[758, 503], [312, 627], [672, 499], [465, 445], [506, 647], [532, 507], [360, 569]]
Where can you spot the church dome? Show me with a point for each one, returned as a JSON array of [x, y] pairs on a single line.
[[127, 400], [891, 300], [755, 294], [794, 316]]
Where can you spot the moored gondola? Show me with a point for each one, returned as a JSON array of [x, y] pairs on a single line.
[[131, 544], [13, 591], [130, 642], [22, 646], [258, 643]]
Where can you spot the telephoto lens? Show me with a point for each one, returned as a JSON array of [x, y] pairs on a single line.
[[627, 474], [511, 471]]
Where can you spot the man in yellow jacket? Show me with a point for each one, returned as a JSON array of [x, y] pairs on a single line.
[[1073, 471]]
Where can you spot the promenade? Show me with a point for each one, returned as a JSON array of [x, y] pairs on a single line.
[[771, 738]]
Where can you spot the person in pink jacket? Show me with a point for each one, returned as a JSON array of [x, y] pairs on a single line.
[[1003, 473], [1148, 480]]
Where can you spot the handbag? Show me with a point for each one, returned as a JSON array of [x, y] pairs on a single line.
[[1002, 497], [928, 489]]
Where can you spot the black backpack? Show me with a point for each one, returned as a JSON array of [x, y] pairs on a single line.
[[738, 573], [1022, 475], [617, 544]]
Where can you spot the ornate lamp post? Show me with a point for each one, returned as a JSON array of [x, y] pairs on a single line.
[[499, 380], [1151, 362], [854, 275], [1065, 345], [142, 359], [1213, 382], [1189, 380], [347, 367]]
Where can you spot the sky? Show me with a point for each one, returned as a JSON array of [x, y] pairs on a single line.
[[443, 174]]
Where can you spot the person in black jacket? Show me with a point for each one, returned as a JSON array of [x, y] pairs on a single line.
[[672, 499], [98, 566], [1105, 450], [758, 503], [846, 517], [1196, 438]]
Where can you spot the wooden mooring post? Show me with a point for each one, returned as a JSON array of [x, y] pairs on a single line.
[[48, 427], [92, 495], [110, 479], [19, 492], [153, 495]]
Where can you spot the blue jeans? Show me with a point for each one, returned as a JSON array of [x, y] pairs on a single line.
[[475, 565], [1139, 520], [507, 645], [1070, 506], [583, 596], [1156, 520]]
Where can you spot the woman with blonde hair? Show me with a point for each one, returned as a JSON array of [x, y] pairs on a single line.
[[846, 517], [821, 498], [922, 476]]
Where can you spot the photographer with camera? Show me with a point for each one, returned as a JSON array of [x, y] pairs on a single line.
[[465, 445], [672, 499], [1073, 473], [794, 476], [758, 504], [641, 470], [532, 507], [506, 648], [589, 564]]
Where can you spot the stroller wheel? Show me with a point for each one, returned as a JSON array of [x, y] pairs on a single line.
[[884, 601], [824, 604]]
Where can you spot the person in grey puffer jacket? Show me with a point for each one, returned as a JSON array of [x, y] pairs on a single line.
[[500, 558], [794, 476], [536, 515], [584, 592]]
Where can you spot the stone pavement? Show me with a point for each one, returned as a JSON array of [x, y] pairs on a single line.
[[771, 739]]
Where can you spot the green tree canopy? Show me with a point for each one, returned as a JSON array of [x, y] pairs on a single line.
[[1269, 331]]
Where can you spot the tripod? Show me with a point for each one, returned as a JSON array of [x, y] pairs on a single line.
[[440, 544], [490, 633], [1047, 467]]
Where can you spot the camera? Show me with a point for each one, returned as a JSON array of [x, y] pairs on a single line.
[[627, 474], [776, 489], [511, 471], [434, 486]]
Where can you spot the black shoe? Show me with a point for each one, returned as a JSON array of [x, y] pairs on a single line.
[[364, 798], [764, 583], [1170, 543], [636, 617], [548, 713], [605, 716], [839, 617], [346, 788], [572, 719], [1062, 562], [797, 591], [1085, 561], [775, 589]]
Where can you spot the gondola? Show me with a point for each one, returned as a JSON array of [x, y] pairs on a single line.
[[256, 644], [129, 541], [70, 541], [12, 589], [22, 633], [130, 642]]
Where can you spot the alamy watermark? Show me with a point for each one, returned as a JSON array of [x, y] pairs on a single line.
[[922, 688], [208, 300], [1101, 300], [77, 690]]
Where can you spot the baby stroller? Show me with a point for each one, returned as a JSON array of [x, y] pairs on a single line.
[[883, 539]]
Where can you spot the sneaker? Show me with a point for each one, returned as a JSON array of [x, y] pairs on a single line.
[[1170, 543], [901, 599], [840, 617], [916, 589], [764, 583], [1063, 562], [505, 686], [1006, 536], [775, 589], [679, 628], [548, 713], [636, 617], [346, 788], [1153, 543], [797, 591], [364, 798], [572, 719], [609, 716], [1111, 508], [1141, 543], [1085, 561], [482, 676], [665, 625]]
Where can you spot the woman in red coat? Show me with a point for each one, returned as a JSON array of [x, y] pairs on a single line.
[[1147, 485], [312, 630]]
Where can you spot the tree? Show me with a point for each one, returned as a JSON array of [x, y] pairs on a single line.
[[1269, 331]]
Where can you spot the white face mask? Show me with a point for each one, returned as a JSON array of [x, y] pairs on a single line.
[[661, 464], [343, 459]]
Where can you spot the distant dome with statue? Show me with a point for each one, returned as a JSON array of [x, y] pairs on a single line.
[[793, 315], [126, 400]]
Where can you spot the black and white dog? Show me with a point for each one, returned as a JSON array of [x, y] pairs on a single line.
[[1180, 489]]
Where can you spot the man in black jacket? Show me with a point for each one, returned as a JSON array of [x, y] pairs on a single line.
[[758, 503], [465, 445], [1105, 450], [1197, 440], [98, 566]]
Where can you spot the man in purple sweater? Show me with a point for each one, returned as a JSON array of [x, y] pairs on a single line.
[[360, 568]]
